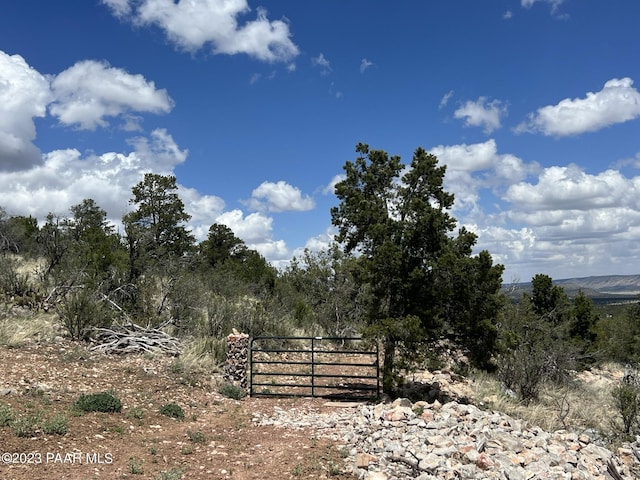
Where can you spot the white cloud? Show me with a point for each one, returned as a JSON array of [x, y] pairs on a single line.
[[120, 8], [255, 227], [331, 187], [279, 197], [484, 156], [65, 178], [570, 188], [321, 62], [507, 15], [365, 64], [617, 102], [193, 24], [445, 99], [89, 91], [472, 168], [24, 94], [161, 152], [482, 113], [255, 230]]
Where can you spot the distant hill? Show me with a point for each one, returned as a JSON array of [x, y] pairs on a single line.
[[604, 288]]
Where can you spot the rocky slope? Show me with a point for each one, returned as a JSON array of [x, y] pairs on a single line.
[[404, 440]]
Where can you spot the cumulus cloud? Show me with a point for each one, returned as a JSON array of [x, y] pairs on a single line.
[[255, 230], [322, 63], [279, 197], [472, 168], [570, 188], [617, 102], [365, 64], [193, 24], [484, 156], [482, 113], [65, 178], [24, 94], [89, 91]]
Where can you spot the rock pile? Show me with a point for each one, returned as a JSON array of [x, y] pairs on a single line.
[[405, 440], [235, 367]]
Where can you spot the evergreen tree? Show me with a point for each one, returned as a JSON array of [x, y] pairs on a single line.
[[402, 230]]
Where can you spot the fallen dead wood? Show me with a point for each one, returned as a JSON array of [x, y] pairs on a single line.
[[134, 339]]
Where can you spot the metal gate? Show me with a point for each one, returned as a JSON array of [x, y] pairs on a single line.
[[329, 367]]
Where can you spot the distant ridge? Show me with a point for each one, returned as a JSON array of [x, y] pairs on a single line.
[[602, 288], [616, 284]]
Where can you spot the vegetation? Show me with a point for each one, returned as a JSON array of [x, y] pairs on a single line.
[[230, 390], [172, 410], [424, 281], [399, 272], [98, 402]]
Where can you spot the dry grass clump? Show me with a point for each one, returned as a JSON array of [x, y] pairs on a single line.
[[18, 328], [583, 403]]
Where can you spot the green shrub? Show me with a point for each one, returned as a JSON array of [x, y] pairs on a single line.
[[135, 466], [81, 312], [196, 437], [25, 426], [230, 390], [173, 474], [136, 412], [98, 402], [626, 397], [172, 410], [5, 415], [57, 425]]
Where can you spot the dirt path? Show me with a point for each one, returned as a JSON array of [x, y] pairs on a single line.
[[216, 440]]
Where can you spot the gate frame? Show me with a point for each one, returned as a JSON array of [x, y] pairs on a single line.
[[313, 375]]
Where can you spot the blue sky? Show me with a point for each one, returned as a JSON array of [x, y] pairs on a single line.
[[255, 107]]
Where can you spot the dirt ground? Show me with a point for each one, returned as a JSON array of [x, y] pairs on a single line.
[[216, 440]]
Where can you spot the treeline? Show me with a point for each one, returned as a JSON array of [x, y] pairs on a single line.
[[397, 272]]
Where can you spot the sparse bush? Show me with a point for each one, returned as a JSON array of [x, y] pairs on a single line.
[[136, 412], [57, 425], [196, 437], [173, 474], [5, 415], [25, 426], [172, 410], [230, 390], [135, 466], [99, 402], [81, 312], [626, 397]]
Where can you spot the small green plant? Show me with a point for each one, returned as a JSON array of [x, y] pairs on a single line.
[[418, 410], [5, 415], [135, 413], [25, 426], [230, 390], [173, 474], [135, 466], [57, 425], [98, 402], [172, 410], [334, 469], [187, 450], [196, 437]]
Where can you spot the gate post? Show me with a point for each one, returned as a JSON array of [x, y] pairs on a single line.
[[235, 367]]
